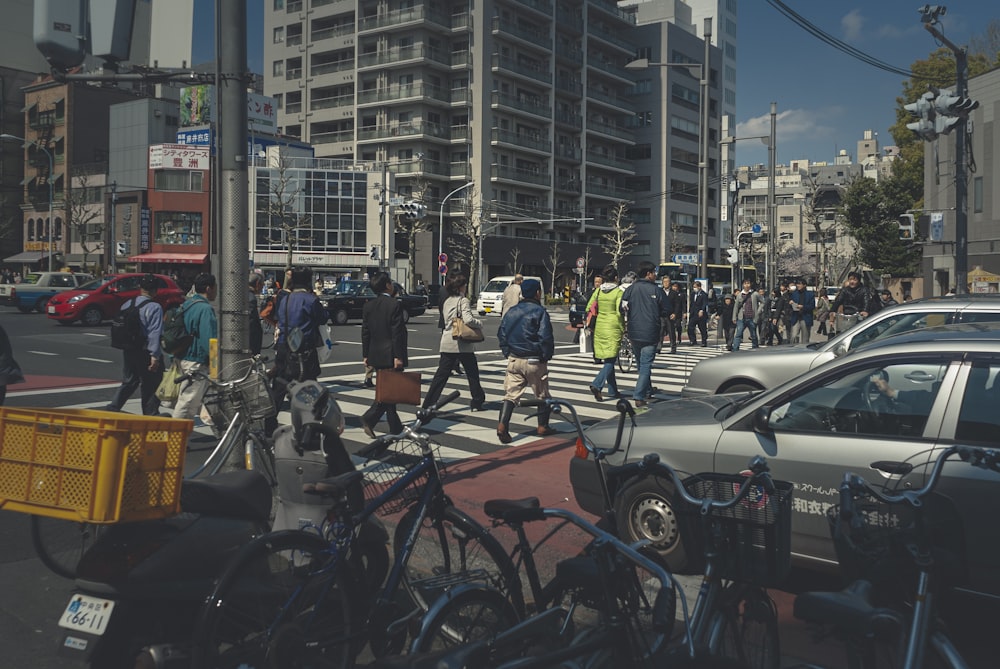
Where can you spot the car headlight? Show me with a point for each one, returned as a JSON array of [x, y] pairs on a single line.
[[75, 298]]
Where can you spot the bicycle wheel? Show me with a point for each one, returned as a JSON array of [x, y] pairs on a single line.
[[758, 627], [451, 548], [626, 356], [464, 616], [61, 543], [268, 333], [651, 608], [277, 606]]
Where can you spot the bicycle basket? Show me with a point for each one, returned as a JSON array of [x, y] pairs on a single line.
[[391, 465], [875, 544], [252, 395], [753, 538]]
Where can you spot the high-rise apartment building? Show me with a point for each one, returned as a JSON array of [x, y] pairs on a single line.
[[529, 99]]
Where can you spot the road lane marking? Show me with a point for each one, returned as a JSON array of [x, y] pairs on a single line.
[[96, 360], [43, 352]]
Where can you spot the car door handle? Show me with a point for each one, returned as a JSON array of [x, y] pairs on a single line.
[[920, 376], [892, 468]]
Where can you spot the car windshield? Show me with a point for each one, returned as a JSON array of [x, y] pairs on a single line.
[[31, 279], [96, 283], [350, 287], [496, 286]]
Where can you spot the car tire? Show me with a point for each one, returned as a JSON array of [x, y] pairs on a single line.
[[24, 310], [645, 510], [40, 304], [339, 317], [740, 387], [91, 316]]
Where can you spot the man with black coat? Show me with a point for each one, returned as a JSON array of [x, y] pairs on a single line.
[[854, 298], [383, 346], [698, 315], [644, 306]]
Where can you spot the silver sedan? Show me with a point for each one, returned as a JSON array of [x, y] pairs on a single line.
[[880, 412], [768, 367]]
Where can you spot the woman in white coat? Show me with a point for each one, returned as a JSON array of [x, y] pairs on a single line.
[[454, 351]]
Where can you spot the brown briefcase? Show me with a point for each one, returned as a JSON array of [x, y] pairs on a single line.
[[395, 387]]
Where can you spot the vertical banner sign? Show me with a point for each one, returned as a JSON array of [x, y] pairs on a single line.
[[937, 226], [145, 234]]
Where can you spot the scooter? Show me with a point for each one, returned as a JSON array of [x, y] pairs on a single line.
[[140, 586]]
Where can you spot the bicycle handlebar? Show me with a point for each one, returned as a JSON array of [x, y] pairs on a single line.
[[197, 373], [983, 458], [424, 416], [557, 405]]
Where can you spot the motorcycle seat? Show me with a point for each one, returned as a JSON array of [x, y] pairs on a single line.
[[241, 494]]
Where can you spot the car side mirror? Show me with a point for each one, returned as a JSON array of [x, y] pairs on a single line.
[[762, 420], [840, 349]]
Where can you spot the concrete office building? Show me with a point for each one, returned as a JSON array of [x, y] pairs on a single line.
[[529, 99]]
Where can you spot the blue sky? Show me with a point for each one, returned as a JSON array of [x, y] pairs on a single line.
[[825, 99]]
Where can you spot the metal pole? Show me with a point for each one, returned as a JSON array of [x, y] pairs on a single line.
[[441, 217], [772, 219], [384, 211], [703, 159], [52, 229], [114, 246], [961, 184], [234, 234]]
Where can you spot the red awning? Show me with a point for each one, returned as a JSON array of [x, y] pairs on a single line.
[[180, 258]]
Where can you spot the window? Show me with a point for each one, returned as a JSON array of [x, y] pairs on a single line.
[[178, 180], [977, 195], [278, 68], [644, 118], [178, 227], [279, 4], [892, 400], [684, 125], [278, 36], [978, 420], [684, 94]]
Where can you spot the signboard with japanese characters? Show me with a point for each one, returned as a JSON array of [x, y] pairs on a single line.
[[178, 157], [198, 105]]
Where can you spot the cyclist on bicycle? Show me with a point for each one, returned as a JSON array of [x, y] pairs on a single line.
[[856, 296]]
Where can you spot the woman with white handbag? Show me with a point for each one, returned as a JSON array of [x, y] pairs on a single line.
[[460, 333]]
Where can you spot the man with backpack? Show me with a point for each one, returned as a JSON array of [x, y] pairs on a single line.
[[200, 324], [137, 331]]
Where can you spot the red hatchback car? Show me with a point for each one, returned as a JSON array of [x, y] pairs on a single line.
[[101, 299]]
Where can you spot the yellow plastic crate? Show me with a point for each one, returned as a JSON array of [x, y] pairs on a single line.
[[95, 466]]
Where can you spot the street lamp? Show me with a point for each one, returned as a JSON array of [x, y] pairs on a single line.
[[48, 154], [441, 217], [703, 110]]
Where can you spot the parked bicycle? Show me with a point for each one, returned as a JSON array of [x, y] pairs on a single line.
[[292, 598], [240, 405], [900, 549]]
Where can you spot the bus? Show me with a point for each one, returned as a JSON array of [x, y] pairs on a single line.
[[720, 276]]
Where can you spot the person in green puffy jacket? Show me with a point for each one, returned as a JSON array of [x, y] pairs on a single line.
[[607, 333]]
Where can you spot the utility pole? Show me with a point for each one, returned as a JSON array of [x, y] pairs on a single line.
[[234, 235], [772, 218], [703, 158], [113, 246]]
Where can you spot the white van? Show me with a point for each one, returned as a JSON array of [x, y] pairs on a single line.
[[490, 297]]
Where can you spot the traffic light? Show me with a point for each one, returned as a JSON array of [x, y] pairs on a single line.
[[413, 210], [907, 229], [951, 110], [733, 256], [121, 248], [374, 254], [924, 108]]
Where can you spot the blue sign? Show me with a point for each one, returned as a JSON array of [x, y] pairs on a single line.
[[757, 230], [686, 258]]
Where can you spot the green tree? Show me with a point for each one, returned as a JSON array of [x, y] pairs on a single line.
[[870, 212]]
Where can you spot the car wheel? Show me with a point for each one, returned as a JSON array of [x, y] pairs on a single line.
[[406, 316], [340, 316], [645, 511], [40, 304], [23, 309], [740, 387], [64, 322], [91, 316]]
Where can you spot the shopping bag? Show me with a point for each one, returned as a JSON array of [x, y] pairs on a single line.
[[169, 389], [324, 343]]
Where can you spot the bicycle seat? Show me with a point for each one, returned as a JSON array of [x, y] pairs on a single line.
[[850, 610], [335, 486], [499, 508], [240, 494]]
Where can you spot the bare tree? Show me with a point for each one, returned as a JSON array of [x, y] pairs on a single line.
[[85, 214], [286, 221], [411, 227], [551, 263], [515, 260], [467, 236], [621, 240]]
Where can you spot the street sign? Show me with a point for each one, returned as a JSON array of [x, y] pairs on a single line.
[[580, 262], [395, 201], [443, 258], [442, 269], [757, 230], [686, 258], [937, 226], [577, 270]]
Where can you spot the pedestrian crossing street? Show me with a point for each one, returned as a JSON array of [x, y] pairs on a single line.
[[464, 433]]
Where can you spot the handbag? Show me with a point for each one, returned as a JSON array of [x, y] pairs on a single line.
[[462, 331], [393, 386], [591, 315], [169, 390], [324, 342]]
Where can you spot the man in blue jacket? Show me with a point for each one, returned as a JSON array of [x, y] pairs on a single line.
[[644, 306], [200, 322], [802, 303], [527, 342]]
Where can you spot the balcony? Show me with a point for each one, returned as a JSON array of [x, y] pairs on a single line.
[[335, 31], [610, 161], [461, 58], [610, 99], [534, 177], [461, 133], [332, 137], [399, 17], [400, 56], [567, 152], [608, 190], [569, 54], [408, 92], [568, 186], [610, 69], [293, 40], [293, 107], [524, 69], [539, 6], [293, 7], [510, 138], [525, 34], [331, 102], [569, 20], [611, 9], [405, 130], [330, 68], [617, 131], [537, 106], [570, 119], [571, 86], [293, 73], [610, 38]]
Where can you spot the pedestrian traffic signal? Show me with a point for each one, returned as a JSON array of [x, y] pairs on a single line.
[[924, 108], [733, 256], [907, 229], [121, 248], [413, 210]]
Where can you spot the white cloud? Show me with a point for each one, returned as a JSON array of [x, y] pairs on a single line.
[[792, 125], [852, 24]]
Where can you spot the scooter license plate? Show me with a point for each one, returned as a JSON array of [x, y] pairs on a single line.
[[87, 614]]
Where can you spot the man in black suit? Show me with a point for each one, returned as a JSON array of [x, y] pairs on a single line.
[[698, 316], [383, 345]]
